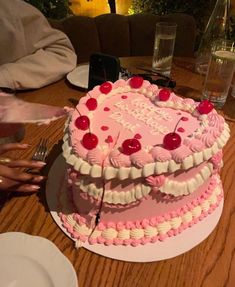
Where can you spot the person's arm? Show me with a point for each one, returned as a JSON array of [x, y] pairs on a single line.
[[47, 54]]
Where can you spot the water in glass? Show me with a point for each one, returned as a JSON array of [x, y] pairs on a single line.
[[163, 53], [219, 77]]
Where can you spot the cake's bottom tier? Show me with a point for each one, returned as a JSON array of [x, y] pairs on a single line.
[[152, 220]]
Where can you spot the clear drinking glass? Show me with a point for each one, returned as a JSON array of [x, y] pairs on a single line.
[[164, 47], [216, 28], [220, 72]]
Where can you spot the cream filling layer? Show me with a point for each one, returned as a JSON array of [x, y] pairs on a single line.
[[186, 187], [115, 197], [172, 187]]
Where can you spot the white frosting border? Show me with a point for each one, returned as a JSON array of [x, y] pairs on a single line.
[[154, 168]]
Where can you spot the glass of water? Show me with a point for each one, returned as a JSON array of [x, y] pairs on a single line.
[[220, 72], [164, 47]]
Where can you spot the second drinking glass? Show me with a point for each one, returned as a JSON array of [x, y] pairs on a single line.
[[220, 72], [164, 47]]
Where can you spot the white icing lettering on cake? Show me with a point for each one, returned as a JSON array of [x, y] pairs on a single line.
[[118, 117], [145, 113]]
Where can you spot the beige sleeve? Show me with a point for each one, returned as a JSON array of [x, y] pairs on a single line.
[[48, 54]]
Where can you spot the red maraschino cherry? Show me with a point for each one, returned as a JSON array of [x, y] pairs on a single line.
[[136, 82], [164, 95], [171, 141], [205, 107], [105, 88], [130, 146], [82, 123], [89, 141], [91, 104]]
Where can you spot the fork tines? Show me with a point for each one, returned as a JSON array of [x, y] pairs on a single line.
[[41, 151]]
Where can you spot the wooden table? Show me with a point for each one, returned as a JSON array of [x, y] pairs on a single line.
[[211, 263]]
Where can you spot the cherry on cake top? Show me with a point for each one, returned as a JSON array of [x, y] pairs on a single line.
[[105, 126]]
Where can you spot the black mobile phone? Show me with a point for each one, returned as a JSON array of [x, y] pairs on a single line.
[[102, 68]]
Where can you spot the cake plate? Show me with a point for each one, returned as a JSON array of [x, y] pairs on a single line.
[[150, 252]]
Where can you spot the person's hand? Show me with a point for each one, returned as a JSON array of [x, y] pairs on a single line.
[[12, 174]]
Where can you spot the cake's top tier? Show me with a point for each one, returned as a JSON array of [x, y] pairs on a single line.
[[129, 125]]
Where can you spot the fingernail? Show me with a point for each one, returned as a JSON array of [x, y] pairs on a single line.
[[39, 178], [41, 163], [25, 145], [36, 187]]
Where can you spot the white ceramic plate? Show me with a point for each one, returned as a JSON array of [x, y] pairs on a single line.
[[33, 261], [79, 76]]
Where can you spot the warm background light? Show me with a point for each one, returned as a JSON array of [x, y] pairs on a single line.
[[93, 8]]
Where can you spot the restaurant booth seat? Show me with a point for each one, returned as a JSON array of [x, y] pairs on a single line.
[[124, 36]]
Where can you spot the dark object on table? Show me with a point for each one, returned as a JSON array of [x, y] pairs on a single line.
[[160, 81], [102, 68], [7, 90]]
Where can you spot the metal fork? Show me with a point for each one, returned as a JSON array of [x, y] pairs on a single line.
[[41, 150], [40, 153]]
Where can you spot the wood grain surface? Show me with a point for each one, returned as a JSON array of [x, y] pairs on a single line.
[[210, 264]]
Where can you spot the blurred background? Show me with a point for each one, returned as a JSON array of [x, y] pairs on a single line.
[[199, 9]]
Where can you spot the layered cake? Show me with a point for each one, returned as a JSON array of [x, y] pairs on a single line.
[[143, 163]]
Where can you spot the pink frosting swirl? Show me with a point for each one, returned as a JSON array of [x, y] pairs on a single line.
[[180, 153], [214, 132], [95, 156], [79, 149], [156, 181], [160, 154], [111, 224], [216, 159], [118, 159], [153, 88], [194, 145], [215, 120], [119, 83], [188, 101], [120, 226], [175, 99], [141, 158], [207, 138], [95, 92]]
